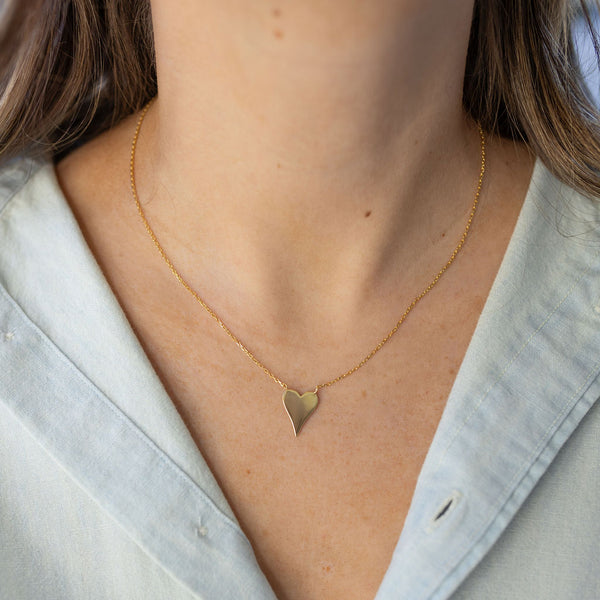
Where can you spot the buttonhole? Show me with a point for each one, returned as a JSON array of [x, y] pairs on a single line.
[[444, 510]]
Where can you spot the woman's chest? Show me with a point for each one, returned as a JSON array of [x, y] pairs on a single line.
[[323, 510]]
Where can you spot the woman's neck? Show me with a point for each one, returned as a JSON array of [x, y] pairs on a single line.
[[316, 146]]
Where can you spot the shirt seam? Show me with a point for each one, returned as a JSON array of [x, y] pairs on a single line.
[[507, 367]]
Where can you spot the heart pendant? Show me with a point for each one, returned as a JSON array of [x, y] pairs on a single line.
[[299, 408]]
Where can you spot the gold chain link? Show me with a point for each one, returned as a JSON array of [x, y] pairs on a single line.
[[228, 331]]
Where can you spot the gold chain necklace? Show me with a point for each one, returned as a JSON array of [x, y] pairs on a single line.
[[298, 407]]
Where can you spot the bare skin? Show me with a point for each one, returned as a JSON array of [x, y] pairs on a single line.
[[308, 168]]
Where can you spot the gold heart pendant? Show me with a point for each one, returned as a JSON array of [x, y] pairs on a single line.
[[299, 408]]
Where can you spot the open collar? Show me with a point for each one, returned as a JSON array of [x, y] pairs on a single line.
[[49, 270], [92, 399], [529, 376], [75, 375]]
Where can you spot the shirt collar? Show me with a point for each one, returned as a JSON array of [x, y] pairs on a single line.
[[528, 377], [93, 401], [52, 274]]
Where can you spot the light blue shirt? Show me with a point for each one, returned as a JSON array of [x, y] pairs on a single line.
[[104, 495]]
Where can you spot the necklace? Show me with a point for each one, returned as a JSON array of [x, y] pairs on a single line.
[[299, 407]]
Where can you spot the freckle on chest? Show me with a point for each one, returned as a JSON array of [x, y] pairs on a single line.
[[276, 14]]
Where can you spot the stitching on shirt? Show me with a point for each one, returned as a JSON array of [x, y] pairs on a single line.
[[507, 367], [122, 417], [521, 474], [544, 440]]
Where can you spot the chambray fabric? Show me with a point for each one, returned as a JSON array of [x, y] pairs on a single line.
[[104, 495]]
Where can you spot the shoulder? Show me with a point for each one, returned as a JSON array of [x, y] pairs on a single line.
[[15, 175], [573, 214], [31, 203], [27, 185]]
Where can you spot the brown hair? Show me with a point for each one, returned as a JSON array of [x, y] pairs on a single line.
[[72, 68]]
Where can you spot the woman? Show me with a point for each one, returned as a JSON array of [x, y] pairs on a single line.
[[305, 171]]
